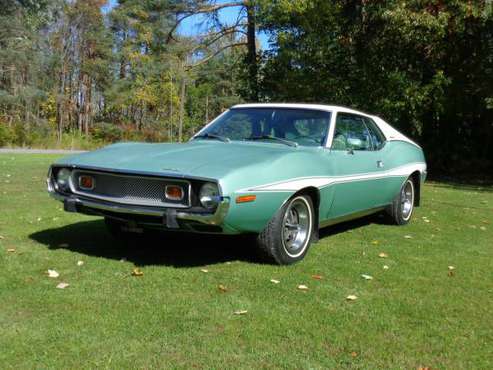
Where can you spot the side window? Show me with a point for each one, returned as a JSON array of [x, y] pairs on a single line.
[[377, 137], [351, 132]]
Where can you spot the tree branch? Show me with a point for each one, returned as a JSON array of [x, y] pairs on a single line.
[[220, 50], [205, 9]]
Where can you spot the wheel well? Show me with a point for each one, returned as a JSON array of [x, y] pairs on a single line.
[[416, 177], [314, 194]]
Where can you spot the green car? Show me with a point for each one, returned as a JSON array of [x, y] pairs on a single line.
[[278, 171]]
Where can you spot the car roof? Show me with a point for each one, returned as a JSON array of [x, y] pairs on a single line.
[[389, 132], [324, 107]]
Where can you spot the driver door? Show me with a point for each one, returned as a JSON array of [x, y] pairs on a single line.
[[356, 162]]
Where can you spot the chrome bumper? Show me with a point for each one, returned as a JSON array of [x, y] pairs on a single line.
[[72, 203]]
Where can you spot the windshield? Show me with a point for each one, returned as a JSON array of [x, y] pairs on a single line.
[[286, 126]]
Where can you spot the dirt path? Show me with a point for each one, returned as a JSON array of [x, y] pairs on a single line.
[[38, 151]]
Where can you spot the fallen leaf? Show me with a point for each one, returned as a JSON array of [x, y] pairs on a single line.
[[11, 250], [385, 267], [2, 237], [482, 228], [80, 263], [240, 312], [274, 281], [383, 255], [351, 297], [426, 220], [62, 285], [367, 277], [204, 270], [451, 268], [53, 274], [317, 277], [137, 272], [222, 288], [424, 368], [354, 354], [407, 236], [302, 287]]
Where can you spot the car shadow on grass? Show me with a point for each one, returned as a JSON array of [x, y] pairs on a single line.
[[155, 248], [175, 249]]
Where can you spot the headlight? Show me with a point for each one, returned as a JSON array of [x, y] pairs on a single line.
[[63, 178], [209, 195]]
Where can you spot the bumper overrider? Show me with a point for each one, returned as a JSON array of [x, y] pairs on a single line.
[[190, 218]]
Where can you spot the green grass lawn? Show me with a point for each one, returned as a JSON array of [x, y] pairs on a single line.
[[411, 315]]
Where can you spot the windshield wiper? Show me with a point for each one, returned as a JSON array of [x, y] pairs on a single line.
[[269, 137], [212, 136]]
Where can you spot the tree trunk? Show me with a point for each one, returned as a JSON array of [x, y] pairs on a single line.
[[182, 108], [252, 52]]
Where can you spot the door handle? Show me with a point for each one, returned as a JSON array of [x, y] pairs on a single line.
[[380, 164]]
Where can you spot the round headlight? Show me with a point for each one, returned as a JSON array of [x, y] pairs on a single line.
[[63, 178], [209, 195]]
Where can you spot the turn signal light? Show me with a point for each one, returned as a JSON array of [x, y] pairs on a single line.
[[246, 198], [173, 192], [86, 182]]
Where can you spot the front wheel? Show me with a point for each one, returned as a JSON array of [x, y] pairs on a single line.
[[287, 237], [402, 207]]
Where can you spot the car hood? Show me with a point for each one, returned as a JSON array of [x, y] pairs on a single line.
[[207, 159]]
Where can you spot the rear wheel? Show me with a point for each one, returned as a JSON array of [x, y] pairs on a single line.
[[402, 207], [287, 237]]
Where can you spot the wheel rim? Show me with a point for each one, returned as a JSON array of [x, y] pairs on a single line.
[[296, 230], [407, 200]]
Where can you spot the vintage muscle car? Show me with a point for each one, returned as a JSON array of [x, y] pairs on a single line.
[[279, 171]]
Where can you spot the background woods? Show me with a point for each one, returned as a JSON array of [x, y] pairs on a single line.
[[83, 73]]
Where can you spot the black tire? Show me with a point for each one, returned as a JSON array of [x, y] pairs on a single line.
[[277, 241], [401, 209]]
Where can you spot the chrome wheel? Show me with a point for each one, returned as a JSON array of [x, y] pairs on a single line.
[[296, 227], [407, 200]]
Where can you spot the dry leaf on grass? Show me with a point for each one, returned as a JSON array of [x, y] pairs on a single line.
[[240, 312], [80, 263], [62, 285], [302, 287], [317, 277], [204, 270], [53, 274], [367, 277], [11, 250], [354, 354], [383, 255], [137, 272], [351, 297], [274, 281], [482, 228], [408, 237], [222, 288], [385, 267], [2, 237]]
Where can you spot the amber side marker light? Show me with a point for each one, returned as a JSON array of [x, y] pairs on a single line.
[[174, 192], [246, 198]]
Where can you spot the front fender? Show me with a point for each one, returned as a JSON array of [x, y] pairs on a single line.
[[253, 217]]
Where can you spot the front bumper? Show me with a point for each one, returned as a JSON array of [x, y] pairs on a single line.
[[157, 217]]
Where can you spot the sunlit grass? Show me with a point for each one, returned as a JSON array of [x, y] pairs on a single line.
[[411, 314]]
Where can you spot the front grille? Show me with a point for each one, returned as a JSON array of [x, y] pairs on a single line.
[[130, 189]]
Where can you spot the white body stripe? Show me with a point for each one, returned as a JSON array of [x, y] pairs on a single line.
[[323, 181]]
